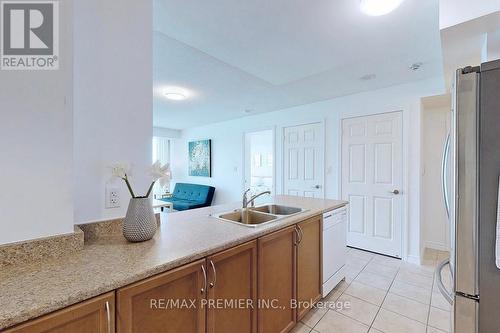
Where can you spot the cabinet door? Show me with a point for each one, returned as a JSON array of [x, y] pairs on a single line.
[[276, 281], [232, 291], [308, 264], [170, 302], [96, 315]]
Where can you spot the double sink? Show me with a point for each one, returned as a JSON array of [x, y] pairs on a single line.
[[256, 216]]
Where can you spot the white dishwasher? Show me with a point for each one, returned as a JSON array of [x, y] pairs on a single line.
[[334, 248]]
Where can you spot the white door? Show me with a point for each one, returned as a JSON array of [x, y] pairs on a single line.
[[371, 181], [303, 162]]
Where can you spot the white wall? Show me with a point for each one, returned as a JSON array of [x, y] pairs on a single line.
[[167, 132], [112, 100], [435, 128], [227, 143], [36, 146], [453, 12]]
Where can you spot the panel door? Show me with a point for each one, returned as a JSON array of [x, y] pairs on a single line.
[[276, 281], [170, 302], [232, 276], [308, 264], [303, 160], [96, 315], [372, 180]]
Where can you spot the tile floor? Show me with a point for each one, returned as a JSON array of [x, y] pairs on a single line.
[[385, 295]]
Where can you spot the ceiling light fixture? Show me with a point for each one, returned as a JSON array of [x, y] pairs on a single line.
[[379, 7], [175, 93]]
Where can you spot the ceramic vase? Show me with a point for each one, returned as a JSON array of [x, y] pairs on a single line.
[[140, 222]]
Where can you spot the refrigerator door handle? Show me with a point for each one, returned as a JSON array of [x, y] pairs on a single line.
[[439, 280], [444, 179]]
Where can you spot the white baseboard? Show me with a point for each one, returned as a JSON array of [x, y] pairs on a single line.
[[413, 259], [436, 246]]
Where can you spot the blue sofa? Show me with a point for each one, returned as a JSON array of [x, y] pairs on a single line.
[[190, 196]]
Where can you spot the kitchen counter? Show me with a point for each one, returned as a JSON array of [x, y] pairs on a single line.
[[110, 262]]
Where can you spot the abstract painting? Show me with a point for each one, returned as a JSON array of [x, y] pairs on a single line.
[[200, 158]]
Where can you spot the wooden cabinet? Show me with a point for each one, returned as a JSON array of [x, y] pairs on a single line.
[[276, 281], [308, 264], [96, 315], [232, 292], [170, 302]]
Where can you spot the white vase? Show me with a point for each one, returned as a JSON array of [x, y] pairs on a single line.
[[140, 222]]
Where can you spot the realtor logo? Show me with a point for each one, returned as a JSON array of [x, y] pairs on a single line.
[[29, 35]]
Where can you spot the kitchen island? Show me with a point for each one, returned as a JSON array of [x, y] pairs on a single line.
[[108, 262]]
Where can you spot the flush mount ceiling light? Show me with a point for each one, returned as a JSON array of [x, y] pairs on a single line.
[[379, 7], [416, 66], [175, 93]]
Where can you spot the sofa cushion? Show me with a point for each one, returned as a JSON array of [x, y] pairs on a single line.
[[179, 204], [194, 192]]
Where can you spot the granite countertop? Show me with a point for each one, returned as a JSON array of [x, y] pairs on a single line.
[[30, 290]]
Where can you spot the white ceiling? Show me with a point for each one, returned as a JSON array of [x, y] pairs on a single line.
[[267, 55]]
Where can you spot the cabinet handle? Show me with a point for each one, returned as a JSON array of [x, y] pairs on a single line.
[[108, 316], [301, 234], [204, 279], [212, 284], [296, 240]]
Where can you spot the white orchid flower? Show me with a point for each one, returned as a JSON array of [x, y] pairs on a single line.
[[120, 170], [160, 173]]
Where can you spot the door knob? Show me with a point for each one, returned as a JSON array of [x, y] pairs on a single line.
[[317, 186], [395, 192]]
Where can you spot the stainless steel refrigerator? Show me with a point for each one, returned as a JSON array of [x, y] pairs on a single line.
[[470, 173]]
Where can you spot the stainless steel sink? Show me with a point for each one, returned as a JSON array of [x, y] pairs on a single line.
[[277, 209], [257, 216], [247, 217]]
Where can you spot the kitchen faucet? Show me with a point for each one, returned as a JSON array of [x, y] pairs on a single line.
[[247, 201]]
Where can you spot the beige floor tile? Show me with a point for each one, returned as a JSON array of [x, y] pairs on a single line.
[[387, 271], [433, 330], [358, 309], [351, 273], [427, 270], [440, 319], [390, 322], [313, 316], [438, 301], [418, 280], [356, 262], [374, 330], [374, 280], [301, 328], [334, 322], [415, 293], [406, 307], [366, 293], [361, 254], [387, 261]]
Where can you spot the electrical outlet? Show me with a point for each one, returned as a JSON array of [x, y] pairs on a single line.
[[112, 197]]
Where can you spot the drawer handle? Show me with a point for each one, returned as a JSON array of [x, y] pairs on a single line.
[[108, 316], [204, 279], [212, 284], [328, 216]]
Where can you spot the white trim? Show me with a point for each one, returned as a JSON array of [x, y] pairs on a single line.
[[405, 170], [412, 259], [282, 143]]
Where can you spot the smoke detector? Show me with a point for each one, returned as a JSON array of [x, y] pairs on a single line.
[[415, 66]]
